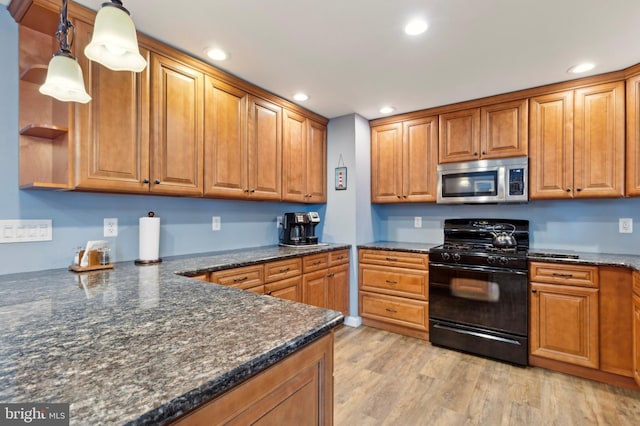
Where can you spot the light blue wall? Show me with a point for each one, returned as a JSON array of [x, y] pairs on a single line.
[[348, 216], [78, 217], [581, 225]]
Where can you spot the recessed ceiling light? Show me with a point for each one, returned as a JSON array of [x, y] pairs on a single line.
[[217, 54], [300, 96], [577, 69], [387, 110], [416, 26]]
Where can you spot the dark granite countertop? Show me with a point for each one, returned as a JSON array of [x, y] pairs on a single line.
[[399, 246], [140, 344], [535, 254]]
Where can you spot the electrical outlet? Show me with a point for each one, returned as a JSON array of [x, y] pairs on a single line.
[[417, 222], [215, 223], [111, 227], [279, 222], [625, 225]]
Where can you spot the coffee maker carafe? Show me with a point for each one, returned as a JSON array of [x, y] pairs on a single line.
[[299, 229]]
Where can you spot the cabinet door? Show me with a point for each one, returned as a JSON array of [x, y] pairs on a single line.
[[339, 288], [633, 136], [420, 151], [225, 144], [551, 146], [459, 136], [636, 338], [113, 129], [504, 130], [294, 155], [177, 129], [599, 141], [288, 289], [616, 334], [315, 289], [264, 150], [386, 163], [564, 324], [316, 170]]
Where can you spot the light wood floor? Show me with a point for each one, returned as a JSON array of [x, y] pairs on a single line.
[[382, 378]]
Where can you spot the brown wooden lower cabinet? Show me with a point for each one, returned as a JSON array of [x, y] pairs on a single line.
[[636, 338], [296, 391], [289, 289], [394, 291], [581, 321], [325, 282]]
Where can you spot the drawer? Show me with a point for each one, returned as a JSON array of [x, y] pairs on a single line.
[[338, 257], [394, 258], [562, 273], [243, 278], [636, 283], [315, 262], [279, 270], [394, 281], [395, 310]]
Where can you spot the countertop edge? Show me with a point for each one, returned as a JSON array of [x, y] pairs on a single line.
[[195, 398]]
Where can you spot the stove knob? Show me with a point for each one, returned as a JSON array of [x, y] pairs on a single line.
[[504, 260], [491, 260], [456, 257], [446, 256]]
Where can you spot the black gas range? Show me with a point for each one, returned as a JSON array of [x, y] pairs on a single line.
[[478, 288]]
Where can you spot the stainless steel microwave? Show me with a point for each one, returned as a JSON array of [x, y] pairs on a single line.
[[503, 180]]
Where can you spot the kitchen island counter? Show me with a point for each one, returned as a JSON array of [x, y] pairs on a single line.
[[140, 344]]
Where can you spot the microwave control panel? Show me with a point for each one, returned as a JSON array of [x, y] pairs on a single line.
[[516, 181]]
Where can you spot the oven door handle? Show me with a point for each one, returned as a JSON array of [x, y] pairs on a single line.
[[476, 268], [477, 334]]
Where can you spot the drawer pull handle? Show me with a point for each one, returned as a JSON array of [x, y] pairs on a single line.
[[393, 311], [239, 280], [331, 275], [283, 270], [340, 257], [392, 259], [317, 262], [558, 274], [392, 282]]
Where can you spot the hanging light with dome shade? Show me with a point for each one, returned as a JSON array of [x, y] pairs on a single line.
[[64, 80], [114, 43]]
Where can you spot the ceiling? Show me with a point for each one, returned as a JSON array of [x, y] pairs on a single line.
[[352, 56]]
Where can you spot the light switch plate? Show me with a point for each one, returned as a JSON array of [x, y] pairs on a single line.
[[215, 223], [625, 225], [24, 231], [417, 222]]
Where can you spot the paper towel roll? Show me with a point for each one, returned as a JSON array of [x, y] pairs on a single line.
[[149, 238]]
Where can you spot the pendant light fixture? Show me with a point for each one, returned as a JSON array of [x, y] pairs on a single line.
[[114, 43], [64, 79]]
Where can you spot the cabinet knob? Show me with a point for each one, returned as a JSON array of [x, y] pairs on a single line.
[[578, 189], [534, 291], [568, 189], [399, 196], [246, 190], [145, 181], [157, 181], [252, 190], [475, 154]]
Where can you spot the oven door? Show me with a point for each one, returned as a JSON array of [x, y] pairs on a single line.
[[485, 297]]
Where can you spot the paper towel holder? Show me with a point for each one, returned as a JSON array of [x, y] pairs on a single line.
[[151, 261]]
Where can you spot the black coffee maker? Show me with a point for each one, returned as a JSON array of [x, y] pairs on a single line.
[[299, 229]]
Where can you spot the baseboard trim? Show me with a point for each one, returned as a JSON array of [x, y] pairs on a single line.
[[353, 321]]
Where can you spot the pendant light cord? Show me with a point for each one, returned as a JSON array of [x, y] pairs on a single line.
[[62, 35]]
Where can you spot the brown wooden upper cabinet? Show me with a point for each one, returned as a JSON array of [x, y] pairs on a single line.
[[113, 129], [304, 165], [243, 140], [177, 127], [492, 131], [403, 161], [577, 143], [633, 136]]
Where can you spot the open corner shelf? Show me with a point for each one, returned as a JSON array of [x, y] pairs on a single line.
[[45, 131], [36, 73], [46, 186]]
